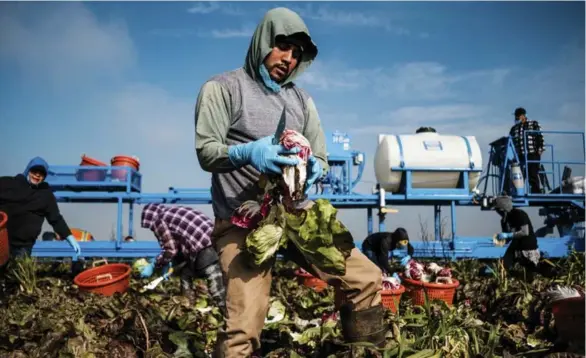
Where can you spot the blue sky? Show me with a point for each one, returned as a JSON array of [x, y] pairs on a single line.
[[105, 78]]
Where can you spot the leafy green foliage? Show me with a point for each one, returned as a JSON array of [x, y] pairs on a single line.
[[492, 316], [320, 237]]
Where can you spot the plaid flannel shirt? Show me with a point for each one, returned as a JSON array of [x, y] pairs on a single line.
[[178, 229]]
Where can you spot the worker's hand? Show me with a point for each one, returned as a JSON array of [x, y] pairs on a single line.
[[71, 240], [263, 155], [504, 236], [166, 270], [405, 260], [147, 271], [313, 172]]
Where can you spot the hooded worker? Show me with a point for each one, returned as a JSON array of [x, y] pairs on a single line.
[[28, 200], [517, 230], [184, 235], [236, 115], [378, 245]]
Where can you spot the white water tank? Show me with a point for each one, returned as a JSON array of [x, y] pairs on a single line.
[[429, 151]]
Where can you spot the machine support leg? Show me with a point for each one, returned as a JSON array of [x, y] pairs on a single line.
[[438, 222], [131, 220], [381, 221], [453, 214], [369, 221], [119, 224]]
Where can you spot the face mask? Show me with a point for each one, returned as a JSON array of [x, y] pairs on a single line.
[[517, 121]]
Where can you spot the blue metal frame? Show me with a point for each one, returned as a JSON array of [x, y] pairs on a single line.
[[338, 187]]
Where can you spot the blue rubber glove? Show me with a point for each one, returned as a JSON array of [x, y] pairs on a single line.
[[313, 172], [71, 240], [396, 276], [166, 270], [263, 155], [147, 271], [405, 260], [504, 235]]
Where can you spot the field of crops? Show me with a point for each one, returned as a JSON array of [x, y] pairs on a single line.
[[44, 315]]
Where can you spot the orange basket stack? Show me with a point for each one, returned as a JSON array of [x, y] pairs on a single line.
[[392, 298], [4, 247], [104, 280], [569, 318], [418, 290], [311, 281]]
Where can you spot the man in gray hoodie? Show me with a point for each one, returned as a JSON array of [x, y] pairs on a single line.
[[235, 119]]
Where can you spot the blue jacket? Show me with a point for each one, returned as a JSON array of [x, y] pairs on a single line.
[[27, 207]]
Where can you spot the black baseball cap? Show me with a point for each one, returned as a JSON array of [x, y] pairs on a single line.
[[520, 111]]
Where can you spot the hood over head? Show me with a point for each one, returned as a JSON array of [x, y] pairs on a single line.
[[150, 214], [504, 204], [279, 22], [37, 162]]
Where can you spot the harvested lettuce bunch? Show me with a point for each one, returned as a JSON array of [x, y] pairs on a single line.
[[138, 265], [277, 217]]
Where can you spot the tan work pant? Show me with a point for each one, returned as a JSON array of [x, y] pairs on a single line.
[[248, 289]]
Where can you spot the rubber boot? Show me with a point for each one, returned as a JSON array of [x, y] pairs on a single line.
[[187, 286], [363, 326]]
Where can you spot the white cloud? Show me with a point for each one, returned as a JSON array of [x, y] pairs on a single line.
[[415, 81], [326, 14], [67, 43], [244, 31], [203, 9]]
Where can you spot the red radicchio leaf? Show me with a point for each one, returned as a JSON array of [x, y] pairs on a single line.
[[291, 139], [446, 272]]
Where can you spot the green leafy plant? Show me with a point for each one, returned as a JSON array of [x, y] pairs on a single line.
[[23, 270]]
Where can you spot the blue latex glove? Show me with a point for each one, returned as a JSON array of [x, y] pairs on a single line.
[[263, 155], [504, 235], [396, 276], [313, 172], [166, 270], [71, 240], [405, 260], [147, 271]]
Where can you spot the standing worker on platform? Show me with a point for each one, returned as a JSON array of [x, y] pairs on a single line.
[[236, 116], [378, 245], [184, 235], [28, 200], [530, 143], [517, 230]]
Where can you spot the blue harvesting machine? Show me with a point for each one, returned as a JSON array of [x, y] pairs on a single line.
[[422, 169]]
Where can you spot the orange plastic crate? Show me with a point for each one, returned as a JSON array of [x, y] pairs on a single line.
[[104, 280], [435, 291], [311, 281], [569, 318], [392, 298]]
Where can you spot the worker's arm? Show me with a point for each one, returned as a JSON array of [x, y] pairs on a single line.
[[212, 121], [383, 255], [166, 240], [410, 250], [55, 219], [538, 136], [315, 135]]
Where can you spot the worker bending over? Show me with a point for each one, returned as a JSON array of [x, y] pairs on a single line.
[[235, 118], [28, 200], [184, 235], [517, 231], [378, 245]]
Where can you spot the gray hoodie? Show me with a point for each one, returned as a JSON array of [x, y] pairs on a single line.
[[236, 107]]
